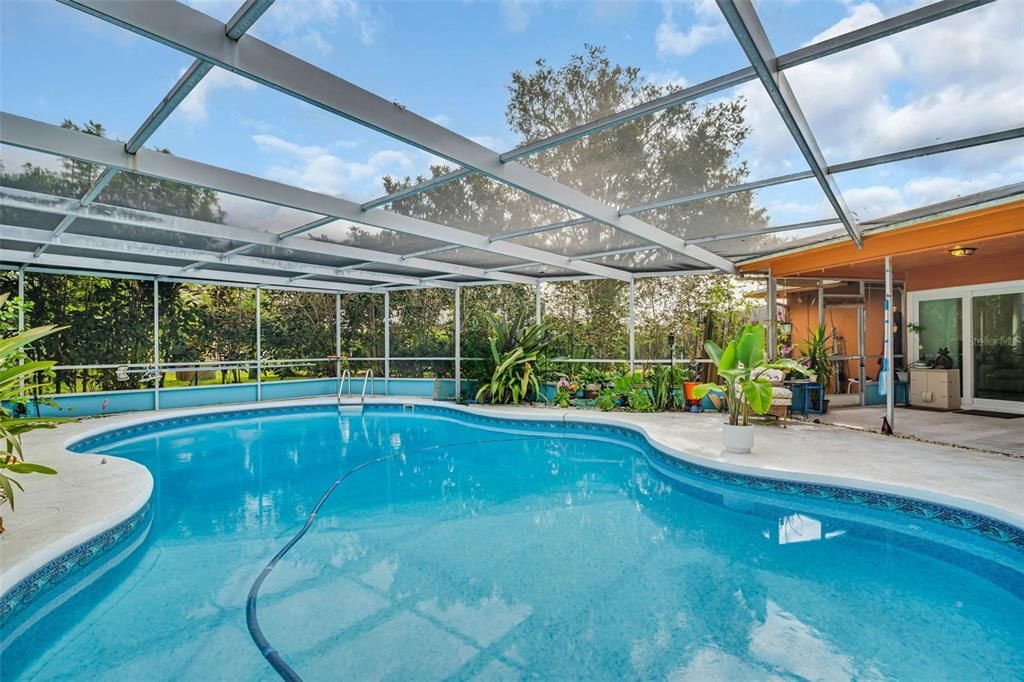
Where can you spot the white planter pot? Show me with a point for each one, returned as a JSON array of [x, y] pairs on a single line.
[[738, 439]]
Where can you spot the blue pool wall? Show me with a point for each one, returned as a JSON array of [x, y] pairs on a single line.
[[113, 402]]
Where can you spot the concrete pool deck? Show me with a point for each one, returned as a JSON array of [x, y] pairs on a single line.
[[92, 493], [978, 432]]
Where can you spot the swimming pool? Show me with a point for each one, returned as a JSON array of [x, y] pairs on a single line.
[[481, 548]]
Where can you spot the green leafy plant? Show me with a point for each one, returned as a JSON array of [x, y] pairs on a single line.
[[562, 397], [639, 400], [815, 352], [663, 380], [590, 375], [626, 382], [607, 400], [741, 364], [19, 376], [517, 352]]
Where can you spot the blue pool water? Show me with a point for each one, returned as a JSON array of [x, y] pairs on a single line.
[[488, 551]]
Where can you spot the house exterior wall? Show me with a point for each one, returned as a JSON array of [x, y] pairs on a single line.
[[973, 270]]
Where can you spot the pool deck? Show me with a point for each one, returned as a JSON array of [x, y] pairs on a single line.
[[974, 431], [92, 493]]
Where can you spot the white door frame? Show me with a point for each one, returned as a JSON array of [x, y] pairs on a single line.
[[966, 295]]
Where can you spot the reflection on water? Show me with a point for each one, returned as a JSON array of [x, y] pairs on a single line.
[[480, 553]]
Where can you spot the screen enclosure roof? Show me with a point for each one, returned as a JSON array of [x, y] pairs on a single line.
[[841, 124]]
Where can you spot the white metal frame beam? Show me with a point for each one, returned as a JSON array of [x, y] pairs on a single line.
[[287, 268], [195, 33], [33, 201], [162, 271], [30, 134], [243, 19], [745, 24]]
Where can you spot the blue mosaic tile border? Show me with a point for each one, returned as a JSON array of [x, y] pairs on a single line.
[[950, 516], [57, 570]]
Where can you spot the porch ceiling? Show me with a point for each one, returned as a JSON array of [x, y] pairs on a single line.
[[995, 231]]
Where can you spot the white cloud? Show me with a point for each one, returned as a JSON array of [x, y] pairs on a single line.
[[442, 120], [516, 14], [954, 78], [298, 23], [671, 79], [708, 27], [272, 143], [318, 169], [194, 108], [859, 17]]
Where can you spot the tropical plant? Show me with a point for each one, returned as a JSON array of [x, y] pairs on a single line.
[[590, 375], [19, 375], [639, 400], [815, 352], [741, 364], [562, 397], [627, 381], [662, 380], [607, 400], [517, 350]]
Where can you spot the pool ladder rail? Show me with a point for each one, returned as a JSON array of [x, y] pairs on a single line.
[[348, 403]]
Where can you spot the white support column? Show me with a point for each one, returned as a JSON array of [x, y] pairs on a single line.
[[387, 342], [337, 339], [156, 343], [21, 316], [259, 346], [773, 305], [536, 303], [632, 325], [861, 341], [821, 305], [890, 360], [21, 300], [458, 343]]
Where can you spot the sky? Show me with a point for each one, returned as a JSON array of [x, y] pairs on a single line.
[[451, 61]]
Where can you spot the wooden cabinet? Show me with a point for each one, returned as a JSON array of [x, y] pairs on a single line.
[[938, 389]]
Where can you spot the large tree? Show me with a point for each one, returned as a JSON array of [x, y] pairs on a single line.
[[687, 148]]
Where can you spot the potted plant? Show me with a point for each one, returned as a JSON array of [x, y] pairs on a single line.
[[590, 379], [741, 364], [816, 360], [562, 392]]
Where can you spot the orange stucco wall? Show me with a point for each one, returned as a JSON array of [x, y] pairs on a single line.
[[803, 313], [976, 269]]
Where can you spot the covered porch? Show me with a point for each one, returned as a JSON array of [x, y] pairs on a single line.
[[955, 301]]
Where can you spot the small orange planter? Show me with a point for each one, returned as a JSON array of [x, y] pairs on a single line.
[[688, 387]]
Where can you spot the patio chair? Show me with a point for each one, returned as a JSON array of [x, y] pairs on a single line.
[[782, 397]]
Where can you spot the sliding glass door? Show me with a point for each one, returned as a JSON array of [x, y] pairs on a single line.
[[998, 349], [981, 330]]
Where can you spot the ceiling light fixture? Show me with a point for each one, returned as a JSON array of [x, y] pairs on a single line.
[[958, 251]]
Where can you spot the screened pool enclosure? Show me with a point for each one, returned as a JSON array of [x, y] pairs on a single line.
[[798, 129]]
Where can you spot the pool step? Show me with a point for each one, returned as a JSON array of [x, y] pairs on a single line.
[[351, 405]]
